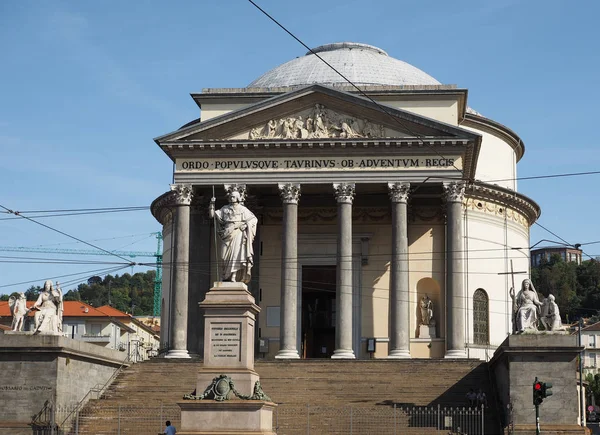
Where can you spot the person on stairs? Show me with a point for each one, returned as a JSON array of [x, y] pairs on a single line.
[[170, 430]]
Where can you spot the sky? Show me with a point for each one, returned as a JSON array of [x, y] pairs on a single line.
[[85, 86]]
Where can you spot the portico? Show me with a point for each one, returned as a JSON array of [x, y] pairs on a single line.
[[382, 199]]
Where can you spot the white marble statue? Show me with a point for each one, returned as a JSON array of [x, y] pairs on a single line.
[[426, 305], [18, 310], [49, 310], [236, 226], [527, 307], [550, 317]]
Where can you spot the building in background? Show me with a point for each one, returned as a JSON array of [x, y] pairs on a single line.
[[590, 339], [567, 254], [104, 326]]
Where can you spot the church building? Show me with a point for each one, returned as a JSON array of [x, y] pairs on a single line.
[[388, 212]]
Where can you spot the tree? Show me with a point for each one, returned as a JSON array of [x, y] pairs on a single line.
[[593, 388], [125, 290], [575, 287], [33, 292]]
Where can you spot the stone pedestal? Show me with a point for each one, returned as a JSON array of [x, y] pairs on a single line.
[[427, 331], [549, 357], [229, 322], [228, 417]]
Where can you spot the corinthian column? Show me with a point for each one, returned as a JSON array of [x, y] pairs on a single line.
[[455, 289], [399, 294], [344, 194], [179, 269], [290, 193]]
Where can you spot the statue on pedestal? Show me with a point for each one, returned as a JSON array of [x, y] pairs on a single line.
[[236, 227], [49, 307], [426, 311], [527, 307], [550, 318], [18, 310]]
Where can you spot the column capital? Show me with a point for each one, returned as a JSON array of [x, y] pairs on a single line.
[[290, 192], [183, 193], [239, 188], [454, 191], [399, 191], [344, 192]]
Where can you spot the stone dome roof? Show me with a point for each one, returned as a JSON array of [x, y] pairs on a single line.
[[361, 63]]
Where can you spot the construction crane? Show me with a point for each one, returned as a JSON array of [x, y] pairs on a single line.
[[130, 254]]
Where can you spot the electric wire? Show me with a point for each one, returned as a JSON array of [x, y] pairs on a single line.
[[379, 106], [65, 234], [94, 272]]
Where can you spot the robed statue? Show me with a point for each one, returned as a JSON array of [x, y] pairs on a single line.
[[550, 318], [426, 305], [49, 309], [236, 227], [526, 307]]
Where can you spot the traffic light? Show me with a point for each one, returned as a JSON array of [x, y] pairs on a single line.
[[541, 390], [537, 393]]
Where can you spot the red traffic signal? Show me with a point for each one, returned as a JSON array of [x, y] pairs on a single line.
[[541, 390]]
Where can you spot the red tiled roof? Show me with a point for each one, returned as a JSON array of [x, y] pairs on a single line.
[[78, 309], [113, 312], [71, 309], [5, 309]]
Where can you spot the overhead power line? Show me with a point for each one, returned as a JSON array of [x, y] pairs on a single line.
[[65, 234], [379, 106]]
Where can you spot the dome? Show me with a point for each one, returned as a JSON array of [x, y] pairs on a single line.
[[362, 64]]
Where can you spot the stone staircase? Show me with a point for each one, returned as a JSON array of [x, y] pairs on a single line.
[[327, 396]]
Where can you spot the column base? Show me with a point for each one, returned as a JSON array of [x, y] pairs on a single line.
[[456, 353], [175, 353], [343, 354], [287, 354], [399, 354]]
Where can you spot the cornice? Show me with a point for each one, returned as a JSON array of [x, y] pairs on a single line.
[[385, 142], [509, 198], [162, 207], [493, 127]]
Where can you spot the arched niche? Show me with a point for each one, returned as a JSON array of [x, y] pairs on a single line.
[[431, 288], [481, 317]]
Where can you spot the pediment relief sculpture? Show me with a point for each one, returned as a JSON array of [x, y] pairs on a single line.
[[316, 123]]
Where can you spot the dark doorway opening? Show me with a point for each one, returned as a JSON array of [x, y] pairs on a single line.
[[318, 311]]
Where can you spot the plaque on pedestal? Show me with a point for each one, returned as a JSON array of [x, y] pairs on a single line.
[[228, 393]]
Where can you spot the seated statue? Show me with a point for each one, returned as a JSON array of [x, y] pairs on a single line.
[[527, 307], [551, 315], [49, 305]]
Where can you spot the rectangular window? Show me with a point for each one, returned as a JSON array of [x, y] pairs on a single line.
[[95, 329]]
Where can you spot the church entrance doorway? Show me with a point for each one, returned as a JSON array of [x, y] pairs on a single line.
[[318, 311]]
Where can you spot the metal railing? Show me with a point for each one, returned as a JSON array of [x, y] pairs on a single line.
[[296, 420], [72, 412]]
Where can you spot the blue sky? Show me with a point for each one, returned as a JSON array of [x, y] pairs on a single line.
[[85, 86]]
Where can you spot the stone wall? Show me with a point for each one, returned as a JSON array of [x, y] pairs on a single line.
[[36, 368], [549, 357]]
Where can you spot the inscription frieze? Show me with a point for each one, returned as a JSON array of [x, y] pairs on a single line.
[[312, 164]]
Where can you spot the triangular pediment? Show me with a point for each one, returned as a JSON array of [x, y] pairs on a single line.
[[312, 113]]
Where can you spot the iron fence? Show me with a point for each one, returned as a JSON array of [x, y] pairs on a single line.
[[287, 420]]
